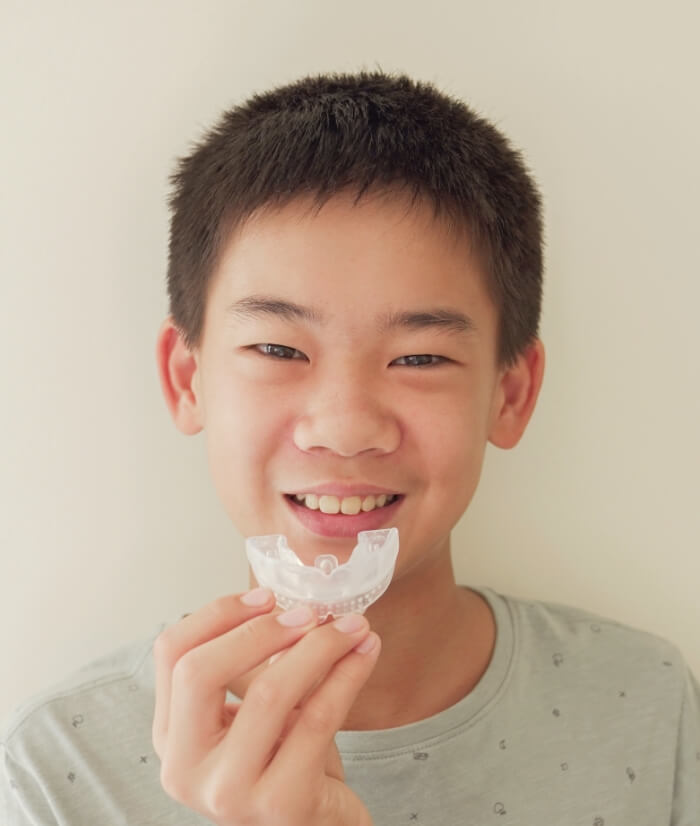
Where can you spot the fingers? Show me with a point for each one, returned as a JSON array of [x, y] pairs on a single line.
[[324, 712], [216, 755], [200, 677], [334, 765], [271, 697], [190, 632]]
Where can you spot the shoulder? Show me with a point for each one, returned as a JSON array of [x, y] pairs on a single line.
[[588, 649], [121, 678], [555, 622], [83, 747]]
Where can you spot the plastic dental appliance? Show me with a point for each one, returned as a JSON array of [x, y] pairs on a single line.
[[326, 586]]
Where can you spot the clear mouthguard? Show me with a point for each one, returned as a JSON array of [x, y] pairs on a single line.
[[326, 587]]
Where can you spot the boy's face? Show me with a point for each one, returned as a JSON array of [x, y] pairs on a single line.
[[340, 405]]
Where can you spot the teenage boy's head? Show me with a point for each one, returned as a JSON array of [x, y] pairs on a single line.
[[355, 282]]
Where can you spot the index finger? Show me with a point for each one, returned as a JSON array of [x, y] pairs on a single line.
[[211, 621]]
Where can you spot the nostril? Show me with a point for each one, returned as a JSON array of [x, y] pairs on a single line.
[[347, 433]]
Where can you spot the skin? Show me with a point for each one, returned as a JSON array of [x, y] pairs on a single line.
[[346, 408]]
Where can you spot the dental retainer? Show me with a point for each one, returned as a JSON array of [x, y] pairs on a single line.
[[326, 586]]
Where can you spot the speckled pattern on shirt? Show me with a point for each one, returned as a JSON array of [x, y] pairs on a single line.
[[578, 721]]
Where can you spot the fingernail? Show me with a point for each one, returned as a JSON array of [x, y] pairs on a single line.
[[256, 597], [350, 623], [301, 615], [368, 643]]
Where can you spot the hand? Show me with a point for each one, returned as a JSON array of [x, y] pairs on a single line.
[[271, 759]]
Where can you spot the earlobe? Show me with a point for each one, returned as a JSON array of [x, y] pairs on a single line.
[[178, 373], [515, 397]]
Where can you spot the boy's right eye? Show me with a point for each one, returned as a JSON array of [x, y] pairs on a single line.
[[279, 351]]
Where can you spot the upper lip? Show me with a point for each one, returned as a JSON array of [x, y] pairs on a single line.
[[342, 489]]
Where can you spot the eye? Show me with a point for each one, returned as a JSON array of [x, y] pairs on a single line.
[[422, 360], [279, 351]]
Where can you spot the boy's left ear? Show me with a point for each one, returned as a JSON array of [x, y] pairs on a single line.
[[515, 396]]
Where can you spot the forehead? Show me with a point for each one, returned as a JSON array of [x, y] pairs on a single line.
[[351, 260]]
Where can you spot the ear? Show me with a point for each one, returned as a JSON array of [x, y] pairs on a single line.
[[515, 396], [178, 371]]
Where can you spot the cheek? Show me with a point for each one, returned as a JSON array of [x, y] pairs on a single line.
[[448, 430], [242, 430], [240, 419], [460, 451], [448, 436]]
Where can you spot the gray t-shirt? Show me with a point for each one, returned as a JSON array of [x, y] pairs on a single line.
[[578, 721]]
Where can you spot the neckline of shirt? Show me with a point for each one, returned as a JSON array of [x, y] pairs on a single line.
[[357, 745]]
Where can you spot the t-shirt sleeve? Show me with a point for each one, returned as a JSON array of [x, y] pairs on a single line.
[[686, 795], [21, 800]]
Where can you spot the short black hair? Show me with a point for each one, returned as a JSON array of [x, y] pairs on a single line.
[[360, 133]]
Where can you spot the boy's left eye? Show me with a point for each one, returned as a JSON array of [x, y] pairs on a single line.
[[422, 360]]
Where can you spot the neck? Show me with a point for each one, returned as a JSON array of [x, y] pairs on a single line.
[[437, 640]]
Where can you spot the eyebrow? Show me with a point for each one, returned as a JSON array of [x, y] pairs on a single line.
[[447, 320], [450, 321], [254, 306]]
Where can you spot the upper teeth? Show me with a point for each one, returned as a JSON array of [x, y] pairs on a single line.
[[349, 505]]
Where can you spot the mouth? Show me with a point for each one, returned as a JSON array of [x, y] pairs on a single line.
[[346, 516], [347, 505]]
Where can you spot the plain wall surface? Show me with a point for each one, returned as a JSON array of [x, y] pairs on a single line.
[[110, 523]]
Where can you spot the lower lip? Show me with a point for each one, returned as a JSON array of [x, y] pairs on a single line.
[[340, 524]]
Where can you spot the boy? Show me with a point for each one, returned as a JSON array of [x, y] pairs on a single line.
[[355, 286]]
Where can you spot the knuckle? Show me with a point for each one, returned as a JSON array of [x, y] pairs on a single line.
[[222, 609], [164, 646], [187, 668], [263, 693], [257, 625], [271, 807], [336, 641], [319, 717], [256, 632], [346, 673], [218, 803], [173, 783], [225, 803]]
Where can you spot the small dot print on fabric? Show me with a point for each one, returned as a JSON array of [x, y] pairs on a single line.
[[502, 745], [599, 822], [630, 773], [556, 712], [71, 776], [77, 721], [557, 659], [420, 755], [595, 628], [499, 809]]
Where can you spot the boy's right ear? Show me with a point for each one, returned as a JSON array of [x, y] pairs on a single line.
[[178, 371]]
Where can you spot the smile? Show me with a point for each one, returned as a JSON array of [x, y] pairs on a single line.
[[348, 505]]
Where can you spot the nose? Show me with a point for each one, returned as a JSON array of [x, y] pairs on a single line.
[[346, 419]]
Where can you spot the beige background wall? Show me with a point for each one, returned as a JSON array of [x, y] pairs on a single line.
[[109, 523]]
